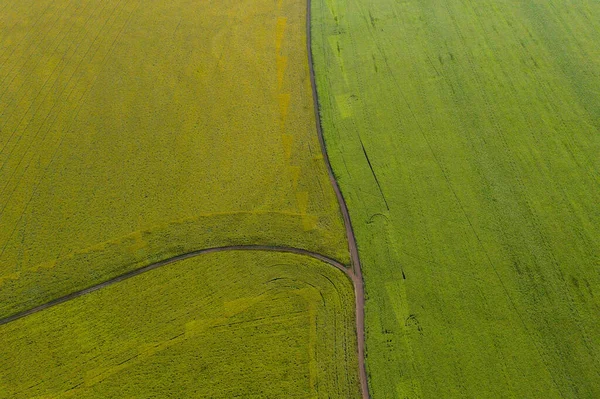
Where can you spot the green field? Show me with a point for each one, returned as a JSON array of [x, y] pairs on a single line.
[[231, 324], [131, 132], [465, 136]]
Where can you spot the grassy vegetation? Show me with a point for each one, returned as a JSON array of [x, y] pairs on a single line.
[[222, 325], [465, 136], [134, 131]]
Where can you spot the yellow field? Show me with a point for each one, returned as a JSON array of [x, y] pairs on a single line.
[[223, 325], [132, 131]]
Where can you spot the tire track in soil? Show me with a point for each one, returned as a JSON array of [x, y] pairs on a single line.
[[168, 261], [355, 273]]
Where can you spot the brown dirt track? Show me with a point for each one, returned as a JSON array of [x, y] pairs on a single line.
[[356, 273]]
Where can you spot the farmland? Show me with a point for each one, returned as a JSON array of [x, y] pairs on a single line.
[[132, 131], [465, 137], [222, 325], [168, 227]]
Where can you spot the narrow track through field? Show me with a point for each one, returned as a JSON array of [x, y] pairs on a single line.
[[169, 261], [356, 272]]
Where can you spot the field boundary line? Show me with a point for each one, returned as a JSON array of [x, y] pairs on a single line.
[[356, 272]]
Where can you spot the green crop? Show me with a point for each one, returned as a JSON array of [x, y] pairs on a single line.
[[465, 136]]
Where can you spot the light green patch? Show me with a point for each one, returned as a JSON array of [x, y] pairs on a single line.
[[468, 156]]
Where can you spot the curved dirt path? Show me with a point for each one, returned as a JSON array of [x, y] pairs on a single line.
[[356, 273], [174, 259]]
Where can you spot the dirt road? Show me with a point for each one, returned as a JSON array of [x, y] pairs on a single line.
[[356, 273], [168, 261]]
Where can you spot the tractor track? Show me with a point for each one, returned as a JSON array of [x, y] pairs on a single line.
[[168, 261], [356, 276]]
